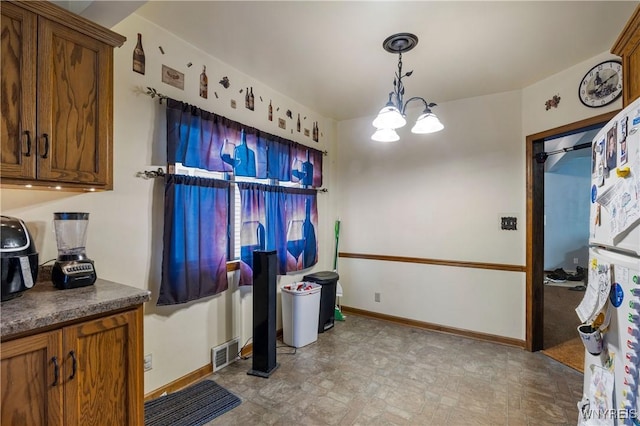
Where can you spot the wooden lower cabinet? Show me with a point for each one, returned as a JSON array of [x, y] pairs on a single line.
[[88, 373], [31, 389]]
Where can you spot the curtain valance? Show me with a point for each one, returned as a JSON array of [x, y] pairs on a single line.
[[205, 140]]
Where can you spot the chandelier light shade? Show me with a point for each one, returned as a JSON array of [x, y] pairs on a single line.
[[389, 118], [427, 123], [385, 135], [392, 115]]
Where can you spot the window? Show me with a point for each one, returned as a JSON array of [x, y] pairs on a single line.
[[233, 251]]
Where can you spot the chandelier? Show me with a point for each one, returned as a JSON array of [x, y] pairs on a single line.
[[392, 115]]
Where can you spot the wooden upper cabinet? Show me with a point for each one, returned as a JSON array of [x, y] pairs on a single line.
[[18, 120], [57, 75], [628, 48], [73, 106]]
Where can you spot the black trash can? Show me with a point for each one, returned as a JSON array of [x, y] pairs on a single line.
[[328, 280]]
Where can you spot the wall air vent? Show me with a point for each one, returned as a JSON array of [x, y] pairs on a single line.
[[225, 354]]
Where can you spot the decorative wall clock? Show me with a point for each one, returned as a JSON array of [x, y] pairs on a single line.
[[602, 84]]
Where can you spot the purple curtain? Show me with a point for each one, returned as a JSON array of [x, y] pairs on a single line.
[[195, 137], [281, 219], [201, 139], [196, 209], [306, 166], [194, 260]]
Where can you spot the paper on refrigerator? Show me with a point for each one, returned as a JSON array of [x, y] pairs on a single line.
[[597, 292], [595, 408], [621, 201]]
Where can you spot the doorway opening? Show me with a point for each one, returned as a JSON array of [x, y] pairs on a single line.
[[567, 183], [535, 273]]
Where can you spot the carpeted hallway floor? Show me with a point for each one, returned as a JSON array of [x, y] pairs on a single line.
[[371, 372]]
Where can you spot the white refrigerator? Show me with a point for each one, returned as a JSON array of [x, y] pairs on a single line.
[[610, 308]]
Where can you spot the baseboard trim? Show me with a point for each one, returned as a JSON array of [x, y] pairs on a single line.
[[198, 374], [181, 382], [246, 350], [436, 327]]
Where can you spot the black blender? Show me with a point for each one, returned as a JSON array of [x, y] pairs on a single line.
[[72, 268]]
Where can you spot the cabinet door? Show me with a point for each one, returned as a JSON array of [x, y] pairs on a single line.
[[31, 383], [105, 386], [18, 118], [74, 106], [632, 68]]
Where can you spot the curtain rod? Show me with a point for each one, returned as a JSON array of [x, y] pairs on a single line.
[[150, 174], [160, 173], [541, 157]]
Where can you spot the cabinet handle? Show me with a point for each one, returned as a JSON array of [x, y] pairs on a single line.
[[74, 365], [56, 371], [46, 145], [28, 154]]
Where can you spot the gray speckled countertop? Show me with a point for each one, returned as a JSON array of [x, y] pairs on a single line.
[[44, 305]]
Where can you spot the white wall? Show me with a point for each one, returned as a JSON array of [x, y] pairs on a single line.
[[125, 228], [567, 206], [441, 196], [437, 196], [535, 118]]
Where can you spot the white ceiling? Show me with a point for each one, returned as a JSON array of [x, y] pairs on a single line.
[[328, 56]]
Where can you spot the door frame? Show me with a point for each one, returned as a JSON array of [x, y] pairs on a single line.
[[534, 269]]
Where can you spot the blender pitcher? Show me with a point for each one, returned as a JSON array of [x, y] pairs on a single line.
[[72, 268]]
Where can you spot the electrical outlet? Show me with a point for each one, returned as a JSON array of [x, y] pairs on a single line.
[[376, 297], [148, 365], [509, 223], [575, 261]]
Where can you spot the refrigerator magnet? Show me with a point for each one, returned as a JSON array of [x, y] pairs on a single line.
[[617, 295], [623, 171]]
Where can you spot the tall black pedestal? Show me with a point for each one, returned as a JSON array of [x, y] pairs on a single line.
[[264, 313]]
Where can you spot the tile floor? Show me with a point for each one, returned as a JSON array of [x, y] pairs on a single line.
[[371, 372]]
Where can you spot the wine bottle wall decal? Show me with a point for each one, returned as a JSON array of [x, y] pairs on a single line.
[[138, 56], [204, 83], [249, 99], [270, 111]]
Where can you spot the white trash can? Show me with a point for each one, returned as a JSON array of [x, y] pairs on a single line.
[[300, 313]]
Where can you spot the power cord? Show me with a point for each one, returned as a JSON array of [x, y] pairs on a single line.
[[244, 358], [295, 350]]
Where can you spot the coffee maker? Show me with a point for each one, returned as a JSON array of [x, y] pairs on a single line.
[[72, 268]]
